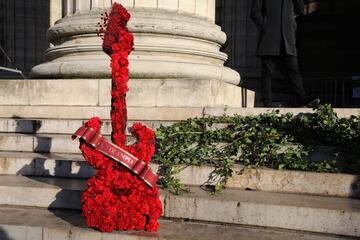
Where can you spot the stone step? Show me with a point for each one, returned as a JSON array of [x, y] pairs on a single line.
[[87, 112], [276, 210], [341, 112], [24, 223], [74, 166], [44, 143], [61, 126], [144, 113], [45, 165]]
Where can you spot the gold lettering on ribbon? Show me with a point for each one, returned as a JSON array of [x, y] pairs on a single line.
[[119, 155]]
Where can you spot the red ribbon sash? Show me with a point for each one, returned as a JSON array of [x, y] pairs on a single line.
[[118, 154]]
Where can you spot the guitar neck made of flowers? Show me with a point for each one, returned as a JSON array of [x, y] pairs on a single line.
[[118, 43]]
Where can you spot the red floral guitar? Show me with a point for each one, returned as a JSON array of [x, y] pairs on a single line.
[[117, 198]]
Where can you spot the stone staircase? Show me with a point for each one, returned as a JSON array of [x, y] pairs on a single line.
[[42, 174]]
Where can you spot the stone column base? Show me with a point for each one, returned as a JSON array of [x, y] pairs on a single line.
[[142, 93]]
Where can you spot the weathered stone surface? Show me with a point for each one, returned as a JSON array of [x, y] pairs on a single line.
[[206, 91], [37, 143], [49, 92], [341, 112], [41, 224], [76, 112], [63, 126], [299, 212], [54, 112], [12, 142], [14, 92], [143, 113], [17, 165], [9, 232], [74, 166], [164, 36], [268, 209], [63, 92], [342, 185], [176, 93]]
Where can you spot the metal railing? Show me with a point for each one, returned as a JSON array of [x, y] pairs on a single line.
[[13, 69]]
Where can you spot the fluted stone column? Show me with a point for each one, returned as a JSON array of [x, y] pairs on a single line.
[[176, 59]]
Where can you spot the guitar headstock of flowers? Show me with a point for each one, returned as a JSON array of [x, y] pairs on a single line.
[[111, 25]]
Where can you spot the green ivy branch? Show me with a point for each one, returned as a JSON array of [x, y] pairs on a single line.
[[272, 140]]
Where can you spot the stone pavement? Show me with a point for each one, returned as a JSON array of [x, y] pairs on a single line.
[[332, 215], [21, 223]]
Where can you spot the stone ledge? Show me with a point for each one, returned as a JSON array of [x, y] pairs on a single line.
[[44, 143], [62, 126], [145, 113], [216, 111], [168, 92], [41, 224], [298, 212], [87, 112], [74, 166]]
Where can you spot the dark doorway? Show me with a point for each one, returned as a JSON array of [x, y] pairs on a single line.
[[23, 26]]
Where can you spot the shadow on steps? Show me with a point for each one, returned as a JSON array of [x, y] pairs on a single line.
[[4, 235]]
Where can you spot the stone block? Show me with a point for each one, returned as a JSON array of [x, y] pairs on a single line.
[[9, 232], [64, 92], [202, 8], [128, 3], [12, 142], [145, 3], [14, 92], [175, 93], [56, 233], [35, 218], [187, 6], [176, 89], [17, 166], [163, 113], [213, 209], [4, 125], [63, 168], [123, 236], [74, 166], [55, 11], [232, 96], [58, 126], [55, 143], [179, 207], [37, 200], [81, 112], [23, 125], [168, 4], [81, 234], [55, 112], [297, 182], [347, 112], [192, 175], [289, 211], [182, 93], [105, 92]]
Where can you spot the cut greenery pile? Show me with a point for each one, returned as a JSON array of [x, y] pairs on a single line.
[[272, 140]]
